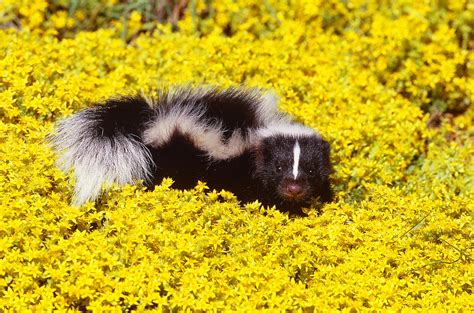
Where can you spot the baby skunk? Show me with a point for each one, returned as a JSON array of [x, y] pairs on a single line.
[[233, 139]]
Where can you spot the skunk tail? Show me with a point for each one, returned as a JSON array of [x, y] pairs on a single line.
[[103, 145]]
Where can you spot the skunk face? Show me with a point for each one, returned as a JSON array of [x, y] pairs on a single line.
[[293, 169]]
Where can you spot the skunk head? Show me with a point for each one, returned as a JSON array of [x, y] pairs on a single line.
[[293, 169]]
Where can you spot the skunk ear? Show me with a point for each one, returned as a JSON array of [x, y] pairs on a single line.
[[326, 148]]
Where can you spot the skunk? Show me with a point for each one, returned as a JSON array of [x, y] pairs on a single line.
[[233, 139]]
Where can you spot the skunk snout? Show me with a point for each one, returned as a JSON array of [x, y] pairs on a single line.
[[293, 190]]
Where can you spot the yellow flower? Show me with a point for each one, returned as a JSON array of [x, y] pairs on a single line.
[[397, 237]]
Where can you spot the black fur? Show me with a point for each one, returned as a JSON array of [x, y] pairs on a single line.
[[124, 115]]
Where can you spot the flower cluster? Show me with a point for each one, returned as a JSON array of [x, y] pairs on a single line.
[[365, 74]]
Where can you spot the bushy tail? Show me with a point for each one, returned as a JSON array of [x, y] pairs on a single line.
[[103, 146]]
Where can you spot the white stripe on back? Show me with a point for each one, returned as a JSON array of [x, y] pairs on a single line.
[[296, 159]]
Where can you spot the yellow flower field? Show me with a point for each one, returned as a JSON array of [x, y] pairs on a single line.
[[389, 85]]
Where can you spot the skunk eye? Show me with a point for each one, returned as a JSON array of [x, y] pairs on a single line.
[[278, 166]]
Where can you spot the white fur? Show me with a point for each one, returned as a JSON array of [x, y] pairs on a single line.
[[187, 120], [296, 159], [98, 162], [165, 124], [286, 128], [268, 107]]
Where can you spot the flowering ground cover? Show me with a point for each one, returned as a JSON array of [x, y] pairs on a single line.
[[388, 84]]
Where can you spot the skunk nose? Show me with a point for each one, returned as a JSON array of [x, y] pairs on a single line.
[[294, 190]]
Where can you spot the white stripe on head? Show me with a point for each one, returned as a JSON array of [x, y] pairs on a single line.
[[296, 159]]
